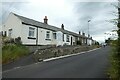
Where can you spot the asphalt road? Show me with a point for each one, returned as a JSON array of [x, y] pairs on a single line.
[[26, 60], [92, 64]]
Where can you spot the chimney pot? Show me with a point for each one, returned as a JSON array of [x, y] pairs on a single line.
[[79, 32], [62, 26], [45, 17], [45, 20], [83, 34]]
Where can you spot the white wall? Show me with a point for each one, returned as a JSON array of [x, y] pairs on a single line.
[[59, 38], [42, 37], [89, 42], [13, 23], [25, 35], [65, 39]]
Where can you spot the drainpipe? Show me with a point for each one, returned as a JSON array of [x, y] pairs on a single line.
[[37, 36]]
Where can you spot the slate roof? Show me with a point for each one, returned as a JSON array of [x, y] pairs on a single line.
[[29, 21]]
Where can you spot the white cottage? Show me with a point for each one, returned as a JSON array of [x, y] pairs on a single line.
[[37, 33]]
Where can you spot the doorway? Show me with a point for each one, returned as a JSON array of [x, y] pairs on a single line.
[[71, 41]]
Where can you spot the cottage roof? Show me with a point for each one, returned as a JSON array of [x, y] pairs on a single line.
[[32, 22]]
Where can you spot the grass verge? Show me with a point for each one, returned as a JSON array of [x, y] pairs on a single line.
[[11, 52], [114, 69]]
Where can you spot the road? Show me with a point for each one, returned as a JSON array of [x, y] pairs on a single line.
[[92, 64], [26, 60]]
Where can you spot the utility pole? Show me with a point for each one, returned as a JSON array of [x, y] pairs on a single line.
[[88, 28], [88, 40]]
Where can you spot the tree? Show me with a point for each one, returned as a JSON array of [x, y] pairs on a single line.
[[108, 41], [118, 43], [115, 59], [118, 32]]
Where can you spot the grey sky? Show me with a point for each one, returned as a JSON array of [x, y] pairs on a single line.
[[99, 13], [73, 14]]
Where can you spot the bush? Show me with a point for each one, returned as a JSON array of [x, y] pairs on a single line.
[[114, 70], [18, 40], [11, 52], [7, 40]]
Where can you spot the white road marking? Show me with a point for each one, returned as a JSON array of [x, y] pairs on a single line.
[[68, 55], [11, 69], [16, 67]]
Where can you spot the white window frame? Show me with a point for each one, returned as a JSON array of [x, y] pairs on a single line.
[[47, 34], [31, 32], [67, 38], [54, 35]]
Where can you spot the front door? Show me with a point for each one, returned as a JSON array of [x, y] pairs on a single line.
[[71, 41]]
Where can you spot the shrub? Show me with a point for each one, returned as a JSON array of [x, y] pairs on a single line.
[[7, 40], [18, 40]]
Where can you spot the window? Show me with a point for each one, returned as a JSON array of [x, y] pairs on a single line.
[[54, 35], [67, 38], [31, 32], [47, 34], [10, 32]]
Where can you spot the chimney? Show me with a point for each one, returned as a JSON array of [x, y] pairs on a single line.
[[45, 20], [79, 33], [91, 37], [62, 26], [83, 34]]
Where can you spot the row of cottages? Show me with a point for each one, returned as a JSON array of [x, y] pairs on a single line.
[[37, 33]]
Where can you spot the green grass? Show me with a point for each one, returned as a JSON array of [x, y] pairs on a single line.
[[114, 70], [11, 52]]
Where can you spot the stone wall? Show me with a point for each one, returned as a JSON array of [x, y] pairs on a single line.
[[42, 54], [34, 48]]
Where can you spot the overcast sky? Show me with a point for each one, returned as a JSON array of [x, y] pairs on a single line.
[[74, 14]]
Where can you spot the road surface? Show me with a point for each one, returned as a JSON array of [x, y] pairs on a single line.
[[92, 64]]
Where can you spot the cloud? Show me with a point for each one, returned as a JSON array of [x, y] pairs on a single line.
[[74, 14], [7, 7], [99, 14]]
